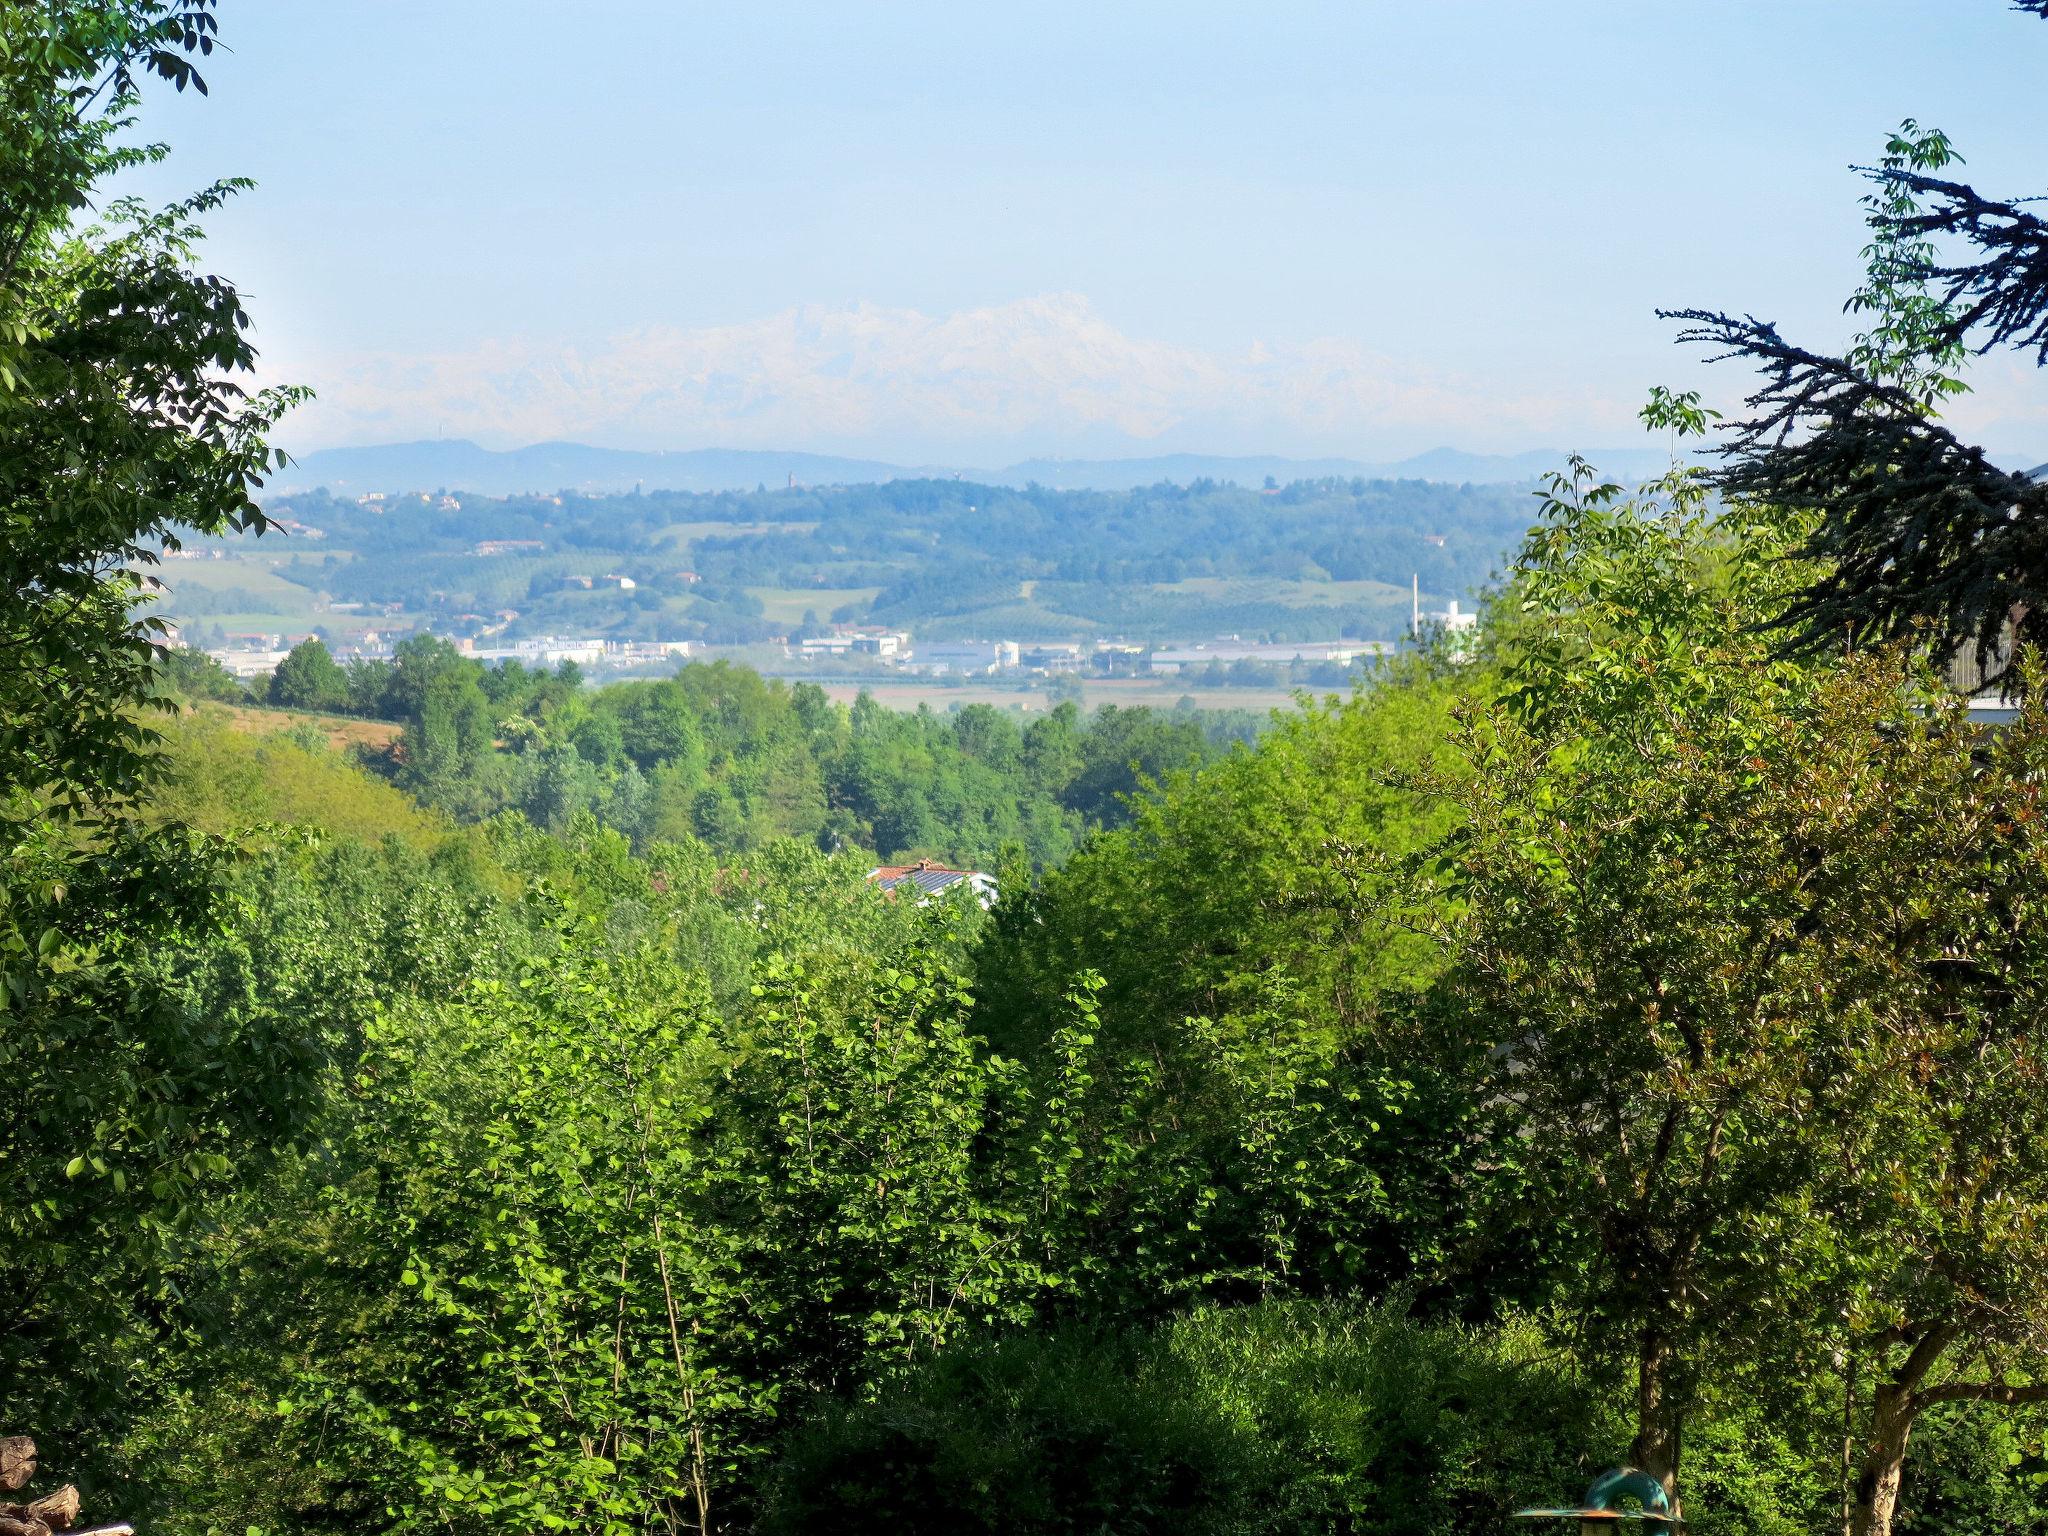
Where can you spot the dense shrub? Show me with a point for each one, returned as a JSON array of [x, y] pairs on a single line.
[[1279, 1417], [1977, 1474], [1326, 1419]]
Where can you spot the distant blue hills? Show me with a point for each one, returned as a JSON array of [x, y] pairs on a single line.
[[453, 464]]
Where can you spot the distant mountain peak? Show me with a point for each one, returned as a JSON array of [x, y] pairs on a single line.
[[459, 464]]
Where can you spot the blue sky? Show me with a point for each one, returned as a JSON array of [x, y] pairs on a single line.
[[965, 233]]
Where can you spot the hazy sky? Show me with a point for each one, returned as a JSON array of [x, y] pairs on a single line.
[[966, 232]]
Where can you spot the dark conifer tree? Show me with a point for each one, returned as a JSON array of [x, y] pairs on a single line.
[[1919, 534]]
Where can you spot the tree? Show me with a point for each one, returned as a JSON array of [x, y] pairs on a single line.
[[854, 1112], [598, 738], [309, 678], [120, 418], [369, 685], [1941, 1177], [597, 1207], [1123, 749], [564, 787], [132, 1090], [449, 725], [988, 735], [1919, 536], [658, 726], [1616, 914], [1052, 748], [1250, 1124], [1748, 951], [718, 818], [418, 662]]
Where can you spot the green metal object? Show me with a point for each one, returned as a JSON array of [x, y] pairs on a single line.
[[1606, 1498]]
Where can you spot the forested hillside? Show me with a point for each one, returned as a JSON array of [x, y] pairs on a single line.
[[1309, 561], [1616, 1038], [720, 754]]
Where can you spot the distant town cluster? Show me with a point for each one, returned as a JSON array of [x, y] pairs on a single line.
[[944, 583], [257, 654]]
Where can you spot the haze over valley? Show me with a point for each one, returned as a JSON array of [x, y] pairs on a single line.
[[913, 769]]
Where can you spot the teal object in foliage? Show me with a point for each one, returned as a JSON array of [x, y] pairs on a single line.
[[1610, 1491]]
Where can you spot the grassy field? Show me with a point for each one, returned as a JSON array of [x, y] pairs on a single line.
[[274, 601], [256, 572], [276, 604], [787, 605], [260, 578], [341, 730], [1017, 618]]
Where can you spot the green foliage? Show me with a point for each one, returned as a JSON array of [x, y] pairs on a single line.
[[548, 1326], [578, 1086], [328, 939], [448, 730], [223, 781], [1915, 535], [1726, 938], [1247, 868], [195, 677], [1279, 1417], [1312, 1418], [852, 1113], [1913, 341], [601, 1235], [721, 754], [1246, 1128], [558, 1244], [1628, 916], [309, 678], [948, 559], [120, 421], [145, 1069], [1977, 1474], [557, 1136]]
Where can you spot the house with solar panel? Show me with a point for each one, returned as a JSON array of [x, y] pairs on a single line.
[[925, 880]]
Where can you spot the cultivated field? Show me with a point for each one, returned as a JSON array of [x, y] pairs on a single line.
[[1278, 589], [678, 535]]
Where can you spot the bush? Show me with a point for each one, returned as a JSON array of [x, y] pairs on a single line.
[[1030, 1435], [1976, 1472], [1270, 1418], [1286, 1419]]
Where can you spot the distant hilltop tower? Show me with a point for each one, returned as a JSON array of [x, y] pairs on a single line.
[[1415, 606]]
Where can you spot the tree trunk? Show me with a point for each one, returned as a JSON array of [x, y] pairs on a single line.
[[1658, 1416], [17, 1461], [1884, 1461], [1894, 1406]]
